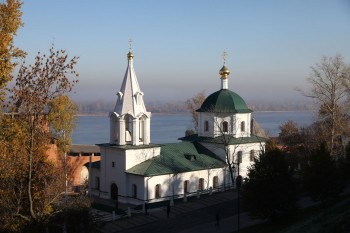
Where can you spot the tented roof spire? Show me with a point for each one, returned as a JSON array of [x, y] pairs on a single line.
[[130, 96]]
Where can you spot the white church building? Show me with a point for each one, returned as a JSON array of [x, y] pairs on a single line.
[[133, 170]]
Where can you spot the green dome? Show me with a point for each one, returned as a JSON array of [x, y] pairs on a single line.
[[224, 101]]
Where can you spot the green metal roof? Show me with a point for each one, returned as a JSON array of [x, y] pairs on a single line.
[[178, 158], [127, 147], [224, 101], [229, 139]]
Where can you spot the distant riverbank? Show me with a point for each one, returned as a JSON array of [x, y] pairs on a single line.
[[167, 128], [183, 113], [100, 107]]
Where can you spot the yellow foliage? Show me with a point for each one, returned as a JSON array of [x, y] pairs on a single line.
[[10, 21]]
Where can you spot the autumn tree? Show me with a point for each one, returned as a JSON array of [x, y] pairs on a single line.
[[34, 98], [62, 118], [13, 175], [329, 88], [271, 145], [193, 104], [269, 190], [289, 134], [10, 22]]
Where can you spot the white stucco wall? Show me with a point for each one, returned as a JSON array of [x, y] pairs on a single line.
[[173, 185], [110, 174], [122, 160], [215, 124], [246, 149], [136, 156], [138, 181]]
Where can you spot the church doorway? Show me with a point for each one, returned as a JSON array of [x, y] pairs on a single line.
[[114, 192]]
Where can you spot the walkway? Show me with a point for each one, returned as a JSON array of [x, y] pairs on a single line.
[[196, 215], [192, 216]]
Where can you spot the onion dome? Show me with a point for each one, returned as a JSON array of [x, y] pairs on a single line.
[[130, 55], [224, 101], [224, 72]]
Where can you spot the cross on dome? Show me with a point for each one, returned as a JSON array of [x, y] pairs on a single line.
[[224, 72], [130, 54], [224, 55], [130, 44]]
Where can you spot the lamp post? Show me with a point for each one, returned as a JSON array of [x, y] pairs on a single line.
[[239, 181]]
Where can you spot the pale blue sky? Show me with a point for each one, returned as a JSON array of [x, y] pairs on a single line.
[[178, 45]]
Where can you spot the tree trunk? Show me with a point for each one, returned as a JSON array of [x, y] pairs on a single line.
[[231, 173], [31, 145], [332, 129]]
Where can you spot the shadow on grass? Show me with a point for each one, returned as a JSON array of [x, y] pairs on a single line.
[[334, 218]]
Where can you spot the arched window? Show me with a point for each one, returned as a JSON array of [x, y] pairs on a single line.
[[242, 126], [128, 123], [206, 126], [252, 156], [186, 186], [215, 182], [114, 192], [225, 126], [128, 128], [201, 184], [97, 182], [157, 191], [141, 126], [239, 157], [134, 191]]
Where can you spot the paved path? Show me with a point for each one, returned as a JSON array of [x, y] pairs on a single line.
[[196, 215], [192, 216]]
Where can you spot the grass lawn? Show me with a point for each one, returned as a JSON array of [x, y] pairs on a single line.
[[335, 218]]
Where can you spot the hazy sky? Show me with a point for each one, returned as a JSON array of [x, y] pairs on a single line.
[[178, 45]]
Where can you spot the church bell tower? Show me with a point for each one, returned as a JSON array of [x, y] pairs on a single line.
[[130, 122]]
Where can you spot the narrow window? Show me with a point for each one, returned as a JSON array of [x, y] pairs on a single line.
[[242, 126], [128, 123], [252, 156], [128, 128], [141, 125], [201, 184], [225, 126], [239, 157], [97, 182], [186, 186], [157, 191], [113, 164], [206, 126], [215, 182], [134, 191]]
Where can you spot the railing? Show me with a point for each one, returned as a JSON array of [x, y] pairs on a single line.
[[154, 203]]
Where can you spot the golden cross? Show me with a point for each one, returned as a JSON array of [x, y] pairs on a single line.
[[130, 43], [224, 55]]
